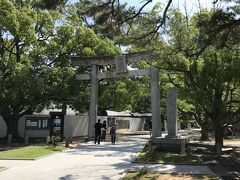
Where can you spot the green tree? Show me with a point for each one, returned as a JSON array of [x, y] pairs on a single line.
[[210, 76], [34, 57], [117, 20]]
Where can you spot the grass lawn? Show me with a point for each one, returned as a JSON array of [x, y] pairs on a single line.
[[155, 176], [165, 157], [30, 152]]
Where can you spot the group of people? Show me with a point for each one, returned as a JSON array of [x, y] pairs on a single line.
[[101, 131]]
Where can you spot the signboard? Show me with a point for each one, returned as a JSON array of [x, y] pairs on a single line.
[[37, 123], [57, 124]]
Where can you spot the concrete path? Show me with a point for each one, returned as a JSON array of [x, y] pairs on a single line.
[[90, 162]]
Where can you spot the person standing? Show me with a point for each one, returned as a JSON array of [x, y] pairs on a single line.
[[104, 130], [98, 127], [113, 132]]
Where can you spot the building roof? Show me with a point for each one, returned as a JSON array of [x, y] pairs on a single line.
[[127, 114], [53, 108]]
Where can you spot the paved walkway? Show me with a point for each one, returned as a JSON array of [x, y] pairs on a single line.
[[88, 161]]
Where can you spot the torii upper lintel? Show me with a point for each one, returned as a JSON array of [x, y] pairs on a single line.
[[106, 60]]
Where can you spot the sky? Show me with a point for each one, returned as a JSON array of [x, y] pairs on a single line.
[[192, 5]]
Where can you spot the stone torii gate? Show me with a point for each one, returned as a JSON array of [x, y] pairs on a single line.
[[121, 62]]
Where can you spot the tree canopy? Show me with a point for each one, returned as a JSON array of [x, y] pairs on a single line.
[[37, 38], [34, 50]]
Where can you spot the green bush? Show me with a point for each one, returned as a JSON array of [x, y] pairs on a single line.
[[144, 170], [53, 142]]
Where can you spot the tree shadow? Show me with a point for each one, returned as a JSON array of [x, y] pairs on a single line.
[[69, 177], [108, 149]]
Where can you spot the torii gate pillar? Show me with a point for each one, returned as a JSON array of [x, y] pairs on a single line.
[[155, 103], [93, 101]]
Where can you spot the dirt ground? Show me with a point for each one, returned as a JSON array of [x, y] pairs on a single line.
[[224, 166], [157, 176], [178, 177]]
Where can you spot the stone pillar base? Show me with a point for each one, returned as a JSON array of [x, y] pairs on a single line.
[[171, 144], [171, 137]]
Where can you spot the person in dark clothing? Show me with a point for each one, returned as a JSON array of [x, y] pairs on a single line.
[[104, 130], [98, 127]]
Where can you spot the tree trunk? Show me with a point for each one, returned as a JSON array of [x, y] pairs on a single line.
[[204, 132], [218, 136], [217, 118], [163, 122], [12, 126], [64, 107]]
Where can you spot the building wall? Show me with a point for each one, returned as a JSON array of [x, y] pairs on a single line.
[[31, 133], [38, 133], [75, 126], [136, 124], [131, 123], [3, 127]]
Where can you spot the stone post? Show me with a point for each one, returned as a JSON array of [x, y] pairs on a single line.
[[47, 139], [93, 101], [67, 142], [26, 140], [183, 145], [9, 139], [165, 126], [155, 103], [172, 112]]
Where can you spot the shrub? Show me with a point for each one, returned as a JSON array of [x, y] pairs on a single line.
[[144, 170], [53, 142]]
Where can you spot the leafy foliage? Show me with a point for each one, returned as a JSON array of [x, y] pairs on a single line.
[[35, 45], [123, 23], [54, 141]]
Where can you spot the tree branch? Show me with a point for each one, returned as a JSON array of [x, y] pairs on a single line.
[[139, 11]]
